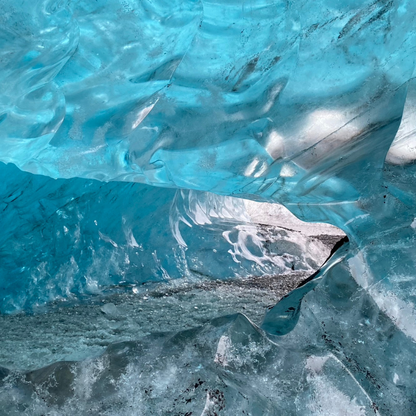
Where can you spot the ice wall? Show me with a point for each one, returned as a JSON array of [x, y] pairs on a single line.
[[67, 239], [290, 102], [273, 99]]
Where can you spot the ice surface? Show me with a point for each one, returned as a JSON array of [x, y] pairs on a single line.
[[310, 104], [66, 239], [272, 98], [227, 366], [83, 330]]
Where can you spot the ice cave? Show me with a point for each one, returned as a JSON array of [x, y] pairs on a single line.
[[208, 207]]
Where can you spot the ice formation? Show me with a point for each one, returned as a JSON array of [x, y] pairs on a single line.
[[309, 104], [63, 239]]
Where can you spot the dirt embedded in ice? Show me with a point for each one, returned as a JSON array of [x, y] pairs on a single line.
[[76, 332], [278, 215]]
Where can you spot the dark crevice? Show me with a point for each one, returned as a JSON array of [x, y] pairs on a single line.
[[336, 247]]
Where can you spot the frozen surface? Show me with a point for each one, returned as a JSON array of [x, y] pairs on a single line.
[[275, 99], [79, 331], [72, 239], [278, 215], [226, 367], [309, 104]]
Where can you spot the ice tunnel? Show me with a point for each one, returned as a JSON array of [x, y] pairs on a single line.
[[148, 267]]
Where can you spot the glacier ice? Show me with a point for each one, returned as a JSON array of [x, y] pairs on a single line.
[[309, 104], [67, 239], [229, 369]]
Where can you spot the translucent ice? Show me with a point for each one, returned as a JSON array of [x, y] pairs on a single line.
[[310, 104], [228, 369], [64, 239], [273, 99]]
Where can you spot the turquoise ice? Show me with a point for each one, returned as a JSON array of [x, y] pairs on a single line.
[[308, 104]]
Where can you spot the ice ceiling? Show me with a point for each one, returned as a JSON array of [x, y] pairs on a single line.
[[309, 104]]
